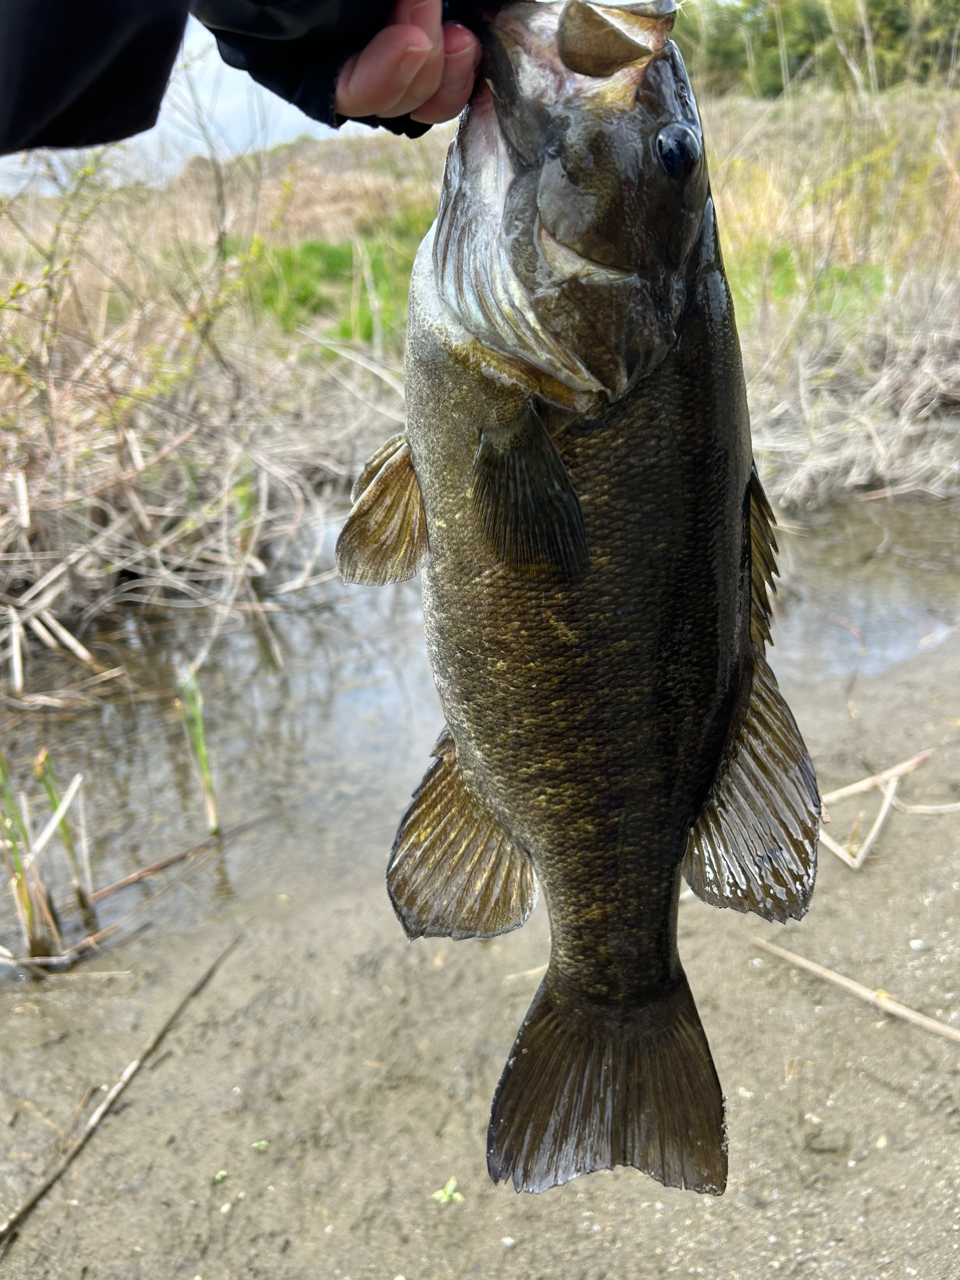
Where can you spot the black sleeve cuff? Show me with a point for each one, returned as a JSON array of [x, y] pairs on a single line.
[[303, 73]]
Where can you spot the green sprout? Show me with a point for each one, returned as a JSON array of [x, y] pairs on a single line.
[[219, 1176], [447, 1193], [260, 1146], [43, 770], [14, 831], [190, 706]]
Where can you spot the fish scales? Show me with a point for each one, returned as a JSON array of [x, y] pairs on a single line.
[[609, 744], [576, 481]]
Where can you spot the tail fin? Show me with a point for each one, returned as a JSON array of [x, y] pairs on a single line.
[[590, 1087]]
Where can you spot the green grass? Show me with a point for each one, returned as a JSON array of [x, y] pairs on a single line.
[[353, 287], [773, 276]]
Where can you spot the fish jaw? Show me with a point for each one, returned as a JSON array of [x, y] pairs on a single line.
[[572, 202]]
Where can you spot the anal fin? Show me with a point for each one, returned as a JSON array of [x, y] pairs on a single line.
[[453, 871], [525, 502], [385, 535], [754, 846], [591, 1086]]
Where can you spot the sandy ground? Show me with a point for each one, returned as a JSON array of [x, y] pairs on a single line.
[[367, 1064]]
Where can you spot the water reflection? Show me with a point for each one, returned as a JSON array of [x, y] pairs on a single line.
[[339, 737], [875, 581]]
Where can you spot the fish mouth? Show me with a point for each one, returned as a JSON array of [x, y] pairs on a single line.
[[559, 73]]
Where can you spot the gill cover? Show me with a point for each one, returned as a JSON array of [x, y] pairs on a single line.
[[574, 193]]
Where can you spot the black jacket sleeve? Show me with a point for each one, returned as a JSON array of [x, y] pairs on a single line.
[[295, 48], [76, 73], [80, 73]]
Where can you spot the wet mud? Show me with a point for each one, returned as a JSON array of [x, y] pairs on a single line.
[[308, 1103]]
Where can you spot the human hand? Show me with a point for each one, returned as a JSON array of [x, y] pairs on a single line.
[[417, 65]]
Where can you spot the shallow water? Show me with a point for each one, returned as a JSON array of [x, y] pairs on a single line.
[[348, 722], [367, 1064]]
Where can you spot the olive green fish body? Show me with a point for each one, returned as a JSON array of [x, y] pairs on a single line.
[[575, 480], [591, 716]]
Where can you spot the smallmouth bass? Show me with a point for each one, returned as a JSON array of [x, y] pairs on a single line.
[[576, 482]]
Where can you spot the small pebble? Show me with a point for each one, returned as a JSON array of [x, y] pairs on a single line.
[[917, 944], [508, 1242]]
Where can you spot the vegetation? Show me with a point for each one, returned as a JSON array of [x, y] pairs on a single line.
[[187, 375], [763, 47]]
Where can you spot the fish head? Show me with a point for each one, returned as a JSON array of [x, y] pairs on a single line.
[[585, 141], [597, 99]]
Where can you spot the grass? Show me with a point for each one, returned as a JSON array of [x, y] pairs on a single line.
[[190, 706], [358, 287], [840, 222], [187, 376]]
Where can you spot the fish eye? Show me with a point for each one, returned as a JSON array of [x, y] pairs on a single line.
[[678, 150]]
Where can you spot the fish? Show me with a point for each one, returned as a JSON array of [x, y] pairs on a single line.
[[575, 482]]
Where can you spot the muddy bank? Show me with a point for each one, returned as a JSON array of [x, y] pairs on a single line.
[[366, 1064]]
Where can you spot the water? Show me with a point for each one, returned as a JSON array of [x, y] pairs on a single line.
[[340, 1075], [337, 739]]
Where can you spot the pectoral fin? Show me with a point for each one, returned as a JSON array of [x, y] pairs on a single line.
[[525, 501], [453, 871], [754, 847], [385, 536]]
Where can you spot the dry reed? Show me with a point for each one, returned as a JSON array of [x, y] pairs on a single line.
[[164, 442], [840, 220]]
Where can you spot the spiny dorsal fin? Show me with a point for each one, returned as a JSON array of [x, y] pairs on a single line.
[[385, 536], [591, 1086], [453, 871], [754, 847], [763, 562], [526, 504]]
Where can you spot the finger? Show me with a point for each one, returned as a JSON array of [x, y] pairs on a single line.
[[377, 79], [427, 16], [462, 57]]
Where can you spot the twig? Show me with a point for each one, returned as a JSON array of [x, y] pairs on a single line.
[[349, 353], [865, 784], [69, 641], [857, 860], [879, 998], [66, 959], [161, 864], [926, 808], [526, 974], [113, 1094]]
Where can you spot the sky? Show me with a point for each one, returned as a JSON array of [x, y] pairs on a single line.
[[237, 114]]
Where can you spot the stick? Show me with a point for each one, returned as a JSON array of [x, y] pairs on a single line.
[[162, 863], [895, 770], [69, 641], [16, 650], [879, 998], [18, 1215], [857, 860], [926, 808]]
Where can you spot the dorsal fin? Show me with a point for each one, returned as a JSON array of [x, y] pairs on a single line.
[[454, 872], [385, 535], [763, 562]]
